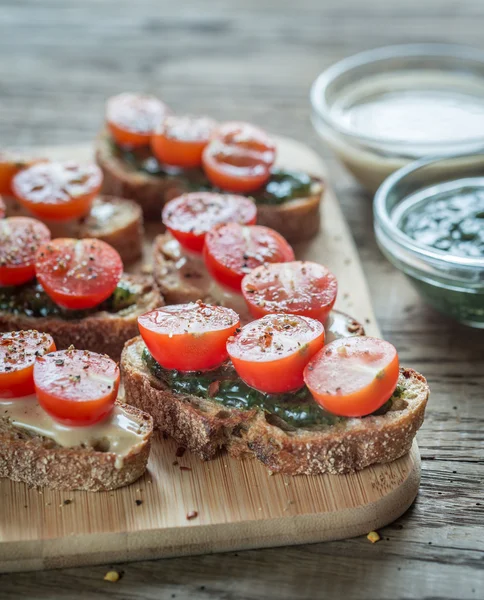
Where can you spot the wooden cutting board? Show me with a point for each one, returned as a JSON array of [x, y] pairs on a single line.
[[238, 504]]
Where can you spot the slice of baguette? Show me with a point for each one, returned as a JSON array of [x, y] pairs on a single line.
[[104, 332], [116, 221], [38, 461], [205, 426], [297, 220]]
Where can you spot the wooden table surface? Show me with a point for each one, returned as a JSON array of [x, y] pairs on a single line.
[[255, 60]]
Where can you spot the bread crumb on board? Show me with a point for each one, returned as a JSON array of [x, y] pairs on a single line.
[[373, 536], [112, 576]]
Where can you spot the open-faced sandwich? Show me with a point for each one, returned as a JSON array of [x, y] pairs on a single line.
[[272, 389], [151, 155], [210, 248], [65, 196], [73, 289], [61, 425]]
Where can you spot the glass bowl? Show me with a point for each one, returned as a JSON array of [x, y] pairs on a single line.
[[412, 81], [453, 284]]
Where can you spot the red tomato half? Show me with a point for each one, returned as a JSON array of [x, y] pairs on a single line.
[[190, 216], [18, 353], [179, 141], [78, 274], [20, 238], [270, 354], [58, 190], [188, 337], [76, 387], [298, 288], [132, 118], [239, 158], [232, 250], [354, 376]]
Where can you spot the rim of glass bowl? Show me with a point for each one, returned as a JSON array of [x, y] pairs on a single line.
[[383, 219], [320, 86]]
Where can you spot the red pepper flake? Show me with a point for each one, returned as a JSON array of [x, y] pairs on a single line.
[[193, 514], [213, 389], [183, 468]]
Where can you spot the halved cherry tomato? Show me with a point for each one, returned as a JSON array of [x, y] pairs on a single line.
[[190, 216], [10, 165], [353, 376], [179, 140], [188, 337], [298, 288], [18, 353], [3, 208], [76, 387], [78, 274], [20, 238], [58, 190], [239, 158], [270, 354], [232, 250], [132, 118]]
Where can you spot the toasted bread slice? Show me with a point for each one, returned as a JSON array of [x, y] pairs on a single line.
[[39, 461], [205, 426], [103, 331], [297, 219], [116, 221]]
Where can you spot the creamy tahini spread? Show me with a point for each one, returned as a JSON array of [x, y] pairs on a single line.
[[119, 433]]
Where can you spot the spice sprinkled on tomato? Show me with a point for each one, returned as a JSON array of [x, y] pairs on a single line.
[[233, 250], [270, 354], [239, 158], [188, 337], [20, 238], [76, 387], [78, 274], [132, 118], [58, 190], [299, 287], [190, 216], [18, 353], [179, 141], [353, 377]]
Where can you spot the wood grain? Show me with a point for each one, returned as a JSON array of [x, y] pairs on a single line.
[[238, 505], [255, 60]]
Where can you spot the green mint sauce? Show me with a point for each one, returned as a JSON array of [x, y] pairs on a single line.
[[297, 409], [450, 220], [31, 300], [283, 185]]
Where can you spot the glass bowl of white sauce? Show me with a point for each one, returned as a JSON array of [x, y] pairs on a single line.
[[382, 109]]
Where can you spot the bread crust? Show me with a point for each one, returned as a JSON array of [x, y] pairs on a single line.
[[205, 426], [38, 461], [297, 220], [102, 332]]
